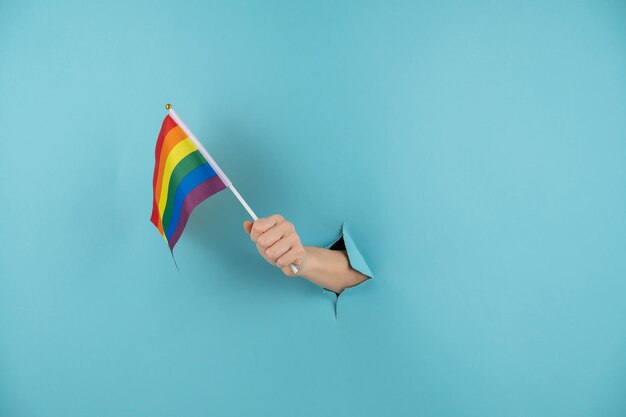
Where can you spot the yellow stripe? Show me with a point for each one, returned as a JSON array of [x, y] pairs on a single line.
[[180, 151]]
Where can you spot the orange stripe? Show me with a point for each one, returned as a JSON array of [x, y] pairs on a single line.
[[174, 136], [168, 124], [172, 139]]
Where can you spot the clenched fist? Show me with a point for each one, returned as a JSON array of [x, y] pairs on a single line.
[[277, 241]]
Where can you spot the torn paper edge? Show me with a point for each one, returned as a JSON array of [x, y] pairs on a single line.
[[355, 258]]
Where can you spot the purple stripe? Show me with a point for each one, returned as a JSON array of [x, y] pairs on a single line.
[[196, 196]]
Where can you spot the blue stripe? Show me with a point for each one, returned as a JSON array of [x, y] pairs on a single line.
[[191, 181]]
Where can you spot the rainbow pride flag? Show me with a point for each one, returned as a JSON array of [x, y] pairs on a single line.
[[183, 178]]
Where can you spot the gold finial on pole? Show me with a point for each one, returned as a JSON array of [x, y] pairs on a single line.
[[168, 106]]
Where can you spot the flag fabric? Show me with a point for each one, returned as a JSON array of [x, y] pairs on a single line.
[[182, 180]]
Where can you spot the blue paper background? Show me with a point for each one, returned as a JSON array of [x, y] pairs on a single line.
[[477, 151]]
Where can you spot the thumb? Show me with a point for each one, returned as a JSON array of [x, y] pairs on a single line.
[[247, 226]]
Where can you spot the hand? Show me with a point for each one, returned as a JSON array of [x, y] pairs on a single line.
[[277, 241]]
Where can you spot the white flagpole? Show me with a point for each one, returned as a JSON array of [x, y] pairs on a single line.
[[215, 167]]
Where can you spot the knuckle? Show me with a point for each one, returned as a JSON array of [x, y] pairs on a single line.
[[278, 217]]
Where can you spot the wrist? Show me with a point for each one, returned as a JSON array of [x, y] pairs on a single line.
[[310, 261]]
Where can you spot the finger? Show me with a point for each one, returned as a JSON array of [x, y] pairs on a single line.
[[278, 249], [247, 226], [273, 235], [295, 256], [287, 271], [262, 225]]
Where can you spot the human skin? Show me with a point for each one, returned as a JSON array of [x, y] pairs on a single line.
[[279, 244]]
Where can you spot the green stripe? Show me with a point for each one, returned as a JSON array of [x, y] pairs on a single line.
[[184, 167]]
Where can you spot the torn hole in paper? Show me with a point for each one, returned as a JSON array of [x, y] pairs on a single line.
[[345, 242]]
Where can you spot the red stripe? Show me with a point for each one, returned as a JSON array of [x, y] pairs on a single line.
[[168, 124]]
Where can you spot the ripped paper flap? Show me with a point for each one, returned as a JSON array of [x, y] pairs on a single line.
[[354, 255]]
